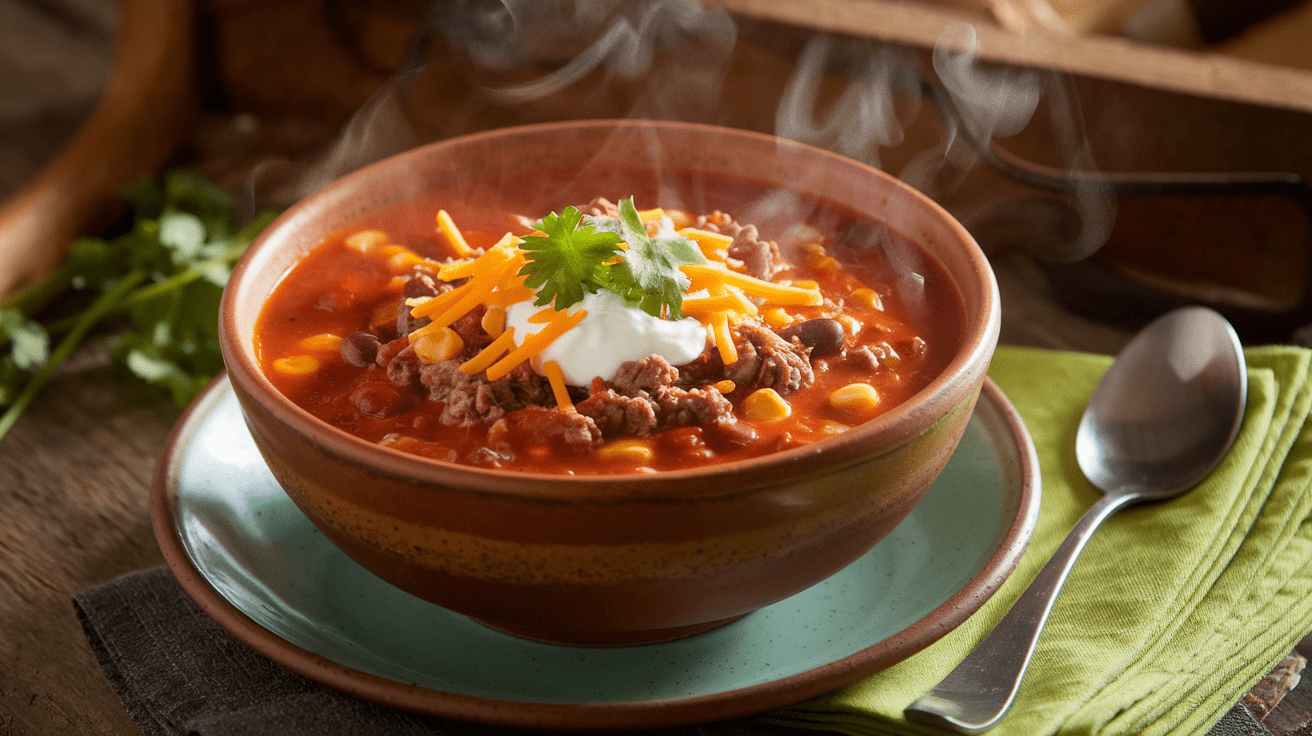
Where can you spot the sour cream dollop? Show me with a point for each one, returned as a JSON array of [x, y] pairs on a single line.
[[612, 333]]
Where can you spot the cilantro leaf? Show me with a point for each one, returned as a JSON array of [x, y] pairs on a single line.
[[649, 275], [31, 344], [567, 260], [161, 281]]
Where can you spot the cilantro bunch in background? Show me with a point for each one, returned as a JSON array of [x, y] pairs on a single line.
[[156, 286]]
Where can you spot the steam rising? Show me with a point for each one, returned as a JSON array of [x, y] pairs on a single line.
[[864, 118], [531, 60], [511, 35]]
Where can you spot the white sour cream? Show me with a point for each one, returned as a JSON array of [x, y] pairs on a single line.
[[612, 333]]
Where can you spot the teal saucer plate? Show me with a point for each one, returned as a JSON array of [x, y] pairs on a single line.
[[253, 562]]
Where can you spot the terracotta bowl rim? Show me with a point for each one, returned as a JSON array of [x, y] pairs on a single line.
[[957, 383]]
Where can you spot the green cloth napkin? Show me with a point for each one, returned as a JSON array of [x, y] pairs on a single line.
[[1173, 611]]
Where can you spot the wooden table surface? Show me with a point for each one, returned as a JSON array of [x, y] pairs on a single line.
[[75, 472]]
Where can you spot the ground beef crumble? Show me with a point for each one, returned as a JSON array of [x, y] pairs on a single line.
[[759, 258]]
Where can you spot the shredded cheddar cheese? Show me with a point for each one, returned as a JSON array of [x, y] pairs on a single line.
[[713, 245], [453, 234], [494, 321], [534, 343], [542, 316], [705, 276], [719, 326], [488, 355], [557, 380]]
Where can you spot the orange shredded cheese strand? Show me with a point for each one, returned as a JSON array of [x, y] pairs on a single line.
[[705, 306], [452, 270], [557, 380], [448, 228], [480, 287], [488, 355], [494, 321], [469, 266], [437, 303], [471, 294], [655, 213], [705, 276], [473, 268], [542, 316], [724, 340], [534, 344], [707, 241], [505, 296]]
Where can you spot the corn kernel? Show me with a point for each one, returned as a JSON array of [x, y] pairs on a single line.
[[725, 387], [324, 341], [403, 260], [828, 263], [868, 298], [366, 240], [850, 324], [855, 397], [441, 345], [777, 317], [630, 450], [830, 428], [297, 365], [494, 321], [766, 405]]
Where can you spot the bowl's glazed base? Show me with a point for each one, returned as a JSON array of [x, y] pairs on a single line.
[[607, 638]]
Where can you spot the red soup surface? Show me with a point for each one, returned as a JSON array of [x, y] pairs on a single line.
[[340, 338]]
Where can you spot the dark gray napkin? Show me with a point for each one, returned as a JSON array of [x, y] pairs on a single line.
[[177, 673]]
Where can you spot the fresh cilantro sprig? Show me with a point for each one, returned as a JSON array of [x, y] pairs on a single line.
[[572, 257], [158, 285], [568, 259], [649, 275]]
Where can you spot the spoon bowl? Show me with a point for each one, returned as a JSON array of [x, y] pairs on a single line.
[[1159, 421], [1166, 413]]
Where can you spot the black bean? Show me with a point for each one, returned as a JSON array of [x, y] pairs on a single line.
[[381, 400], [360, 348], [824, 336]]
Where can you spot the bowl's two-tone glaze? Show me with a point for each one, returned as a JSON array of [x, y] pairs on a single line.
[[611, 559]]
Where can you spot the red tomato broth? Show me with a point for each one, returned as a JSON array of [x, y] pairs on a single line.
[[336, 290]]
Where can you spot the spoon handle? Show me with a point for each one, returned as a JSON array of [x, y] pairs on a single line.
[[975, 695]]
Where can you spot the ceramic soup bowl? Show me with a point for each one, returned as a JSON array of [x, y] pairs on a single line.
[[615, 559]]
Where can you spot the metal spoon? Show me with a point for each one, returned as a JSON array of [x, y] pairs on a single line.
[[1159, 421]]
